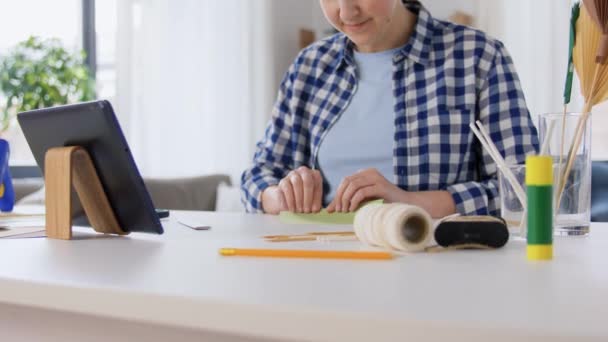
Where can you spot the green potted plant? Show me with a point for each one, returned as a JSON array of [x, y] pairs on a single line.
[[35, 74], [39, 73]]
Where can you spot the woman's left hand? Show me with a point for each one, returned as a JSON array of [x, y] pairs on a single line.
[[364, 185]]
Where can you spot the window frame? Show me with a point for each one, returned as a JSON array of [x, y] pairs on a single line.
[[89, 45]]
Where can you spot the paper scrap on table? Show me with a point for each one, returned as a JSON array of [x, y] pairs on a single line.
[[22, 223], [22, 228], [22, 232], [322, 217], [193, 224]]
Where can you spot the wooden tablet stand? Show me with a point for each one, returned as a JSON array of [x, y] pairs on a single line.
[[65, 166]]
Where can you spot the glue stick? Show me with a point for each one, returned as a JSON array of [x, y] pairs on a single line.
[[539, 183]]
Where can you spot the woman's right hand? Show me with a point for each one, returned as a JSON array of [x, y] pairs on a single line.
[[301, 191]]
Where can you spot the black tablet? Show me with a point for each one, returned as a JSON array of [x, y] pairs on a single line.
[[94, 126]]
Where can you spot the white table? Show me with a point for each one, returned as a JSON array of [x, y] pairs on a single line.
[[176, 286]]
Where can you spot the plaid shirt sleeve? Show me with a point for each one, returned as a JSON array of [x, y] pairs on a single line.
[[273, 156], [503, 112]]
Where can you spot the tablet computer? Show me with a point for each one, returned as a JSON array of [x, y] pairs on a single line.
[[93, 125]]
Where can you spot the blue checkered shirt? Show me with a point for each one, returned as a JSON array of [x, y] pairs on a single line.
[[444, 78]]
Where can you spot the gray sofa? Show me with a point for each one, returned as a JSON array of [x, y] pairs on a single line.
[[194, 193]]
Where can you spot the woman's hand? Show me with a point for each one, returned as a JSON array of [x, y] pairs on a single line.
[[362, 186], [301, 191]]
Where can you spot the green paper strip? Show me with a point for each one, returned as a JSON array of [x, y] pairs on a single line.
[[322, 217]]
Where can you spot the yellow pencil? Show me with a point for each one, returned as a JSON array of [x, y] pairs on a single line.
[[297, 253]]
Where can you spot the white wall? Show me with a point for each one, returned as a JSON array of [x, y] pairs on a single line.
[[320, 24], [288, 16], [442, 9]]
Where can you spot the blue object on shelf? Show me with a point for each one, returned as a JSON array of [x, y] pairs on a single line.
[[7, 193]]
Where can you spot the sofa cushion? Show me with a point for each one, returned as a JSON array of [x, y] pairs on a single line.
[[194, 193]]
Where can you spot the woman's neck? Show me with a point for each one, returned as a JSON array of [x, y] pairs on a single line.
[[398, 32]]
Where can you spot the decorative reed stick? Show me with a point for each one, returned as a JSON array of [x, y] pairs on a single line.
[[485, 140]]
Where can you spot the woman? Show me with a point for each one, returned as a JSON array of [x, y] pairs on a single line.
[[382, 110]]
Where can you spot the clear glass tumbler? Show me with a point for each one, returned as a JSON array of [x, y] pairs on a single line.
[[557, 135], [511, 209]]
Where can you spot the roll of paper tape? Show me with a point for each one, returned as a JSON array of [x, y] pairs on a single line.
[[408, 228], [396, 226], [375, 232], [362, 220]]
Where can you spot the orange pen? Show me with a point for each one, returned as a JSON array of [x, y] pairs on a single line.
[[298, 253]]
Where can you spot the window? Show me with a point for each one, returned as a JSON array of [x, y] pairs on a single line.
[[61, 19], [47, 19]]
